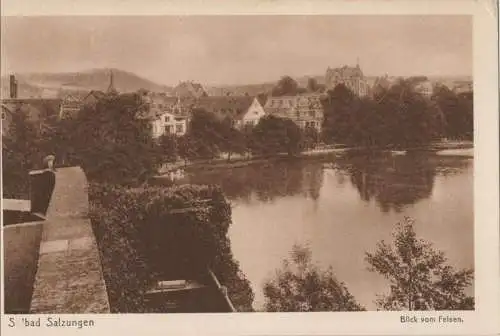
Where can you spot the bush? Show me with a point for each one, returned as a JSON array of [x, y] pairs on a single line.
[[300, 286], [141, 239]]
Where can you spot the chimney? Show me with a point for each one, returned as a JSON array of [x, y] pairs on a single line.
[[13, 87]]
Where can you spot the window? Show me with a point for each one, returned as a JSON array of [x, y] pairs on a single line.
[[178, 128], [310, 124], [311, 113], [167, 118], [3, 115], [169, 129]]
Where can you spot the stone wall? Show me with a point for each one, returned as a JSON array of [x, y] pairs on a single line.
[[69, 277]]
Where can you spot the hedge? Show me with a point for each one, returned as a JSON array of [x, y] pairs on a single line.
[[140, 239]]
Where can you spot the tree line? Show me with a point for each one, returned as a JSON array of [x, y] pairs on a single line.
[[397, 116]]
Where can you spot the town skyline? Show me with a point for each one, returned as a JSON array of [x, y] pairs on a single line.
[[234, 51]]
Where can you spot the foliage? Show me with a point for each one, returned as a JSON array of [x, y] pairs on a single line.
[[20, 154], [419, 276], [301, 287], [141, 239], [397, 117], [458, 112], [205, 136], [310, 138], [337, 119], [273, 135], [235, 141], [168, 148], [287, 86], [313, 85], [111, 140]]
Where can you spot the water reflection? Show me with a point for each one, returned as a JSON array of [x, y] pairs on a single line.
[[265, 182], [392, 182]]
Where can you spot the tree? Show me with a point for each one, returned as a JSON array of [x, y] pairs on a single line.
[[458, 112], [419, 276], [310, 137], [300, 286], [337, 124], [112, 140], [409, 119], [168, 148], [287, 86], [234, 140], [205, 137], [273, 135], [20, 154], [312, 85]]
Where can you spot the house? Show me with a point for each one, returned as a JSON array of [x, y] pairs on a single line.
[[352, 77], [37, 110], [241, 110], [305, 110], [425, 88], [70, 105], [166, 123], [73, 102], [173, 105], [463, 87], [161, 114]]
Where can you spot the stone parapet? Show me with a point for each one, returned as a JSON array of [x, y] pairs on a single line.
[[69, 277]]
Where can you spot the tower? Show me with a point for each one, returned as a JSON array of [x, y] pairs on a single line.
[[111, 87]]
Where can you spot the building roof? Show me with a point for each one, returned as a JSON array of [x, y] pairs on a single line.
[[35, 108], [233, 107], [281, 104], [345, 71]]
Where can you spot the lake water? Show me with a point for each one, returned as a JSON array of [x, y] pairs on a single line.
[[340, 207]]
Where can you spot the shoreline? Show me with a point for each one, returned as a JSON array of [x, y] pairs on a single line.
[[460, 149]]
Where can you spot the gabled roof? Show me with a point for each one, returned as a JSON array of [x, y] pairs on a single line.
[[233, 107], [96, 94]]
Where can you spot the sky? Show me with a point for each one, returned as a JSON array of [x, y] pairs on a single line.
[[216, 50]]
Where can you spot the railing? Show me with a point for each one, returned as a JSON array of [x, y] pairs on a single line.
[[222, 290]]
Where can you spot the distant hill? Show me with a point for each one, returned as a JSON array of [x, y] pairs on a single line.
[[53, 84], [57, 84]]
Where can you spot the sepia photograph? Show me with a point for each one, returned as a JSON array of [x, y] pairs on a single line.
[[238, 164]]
